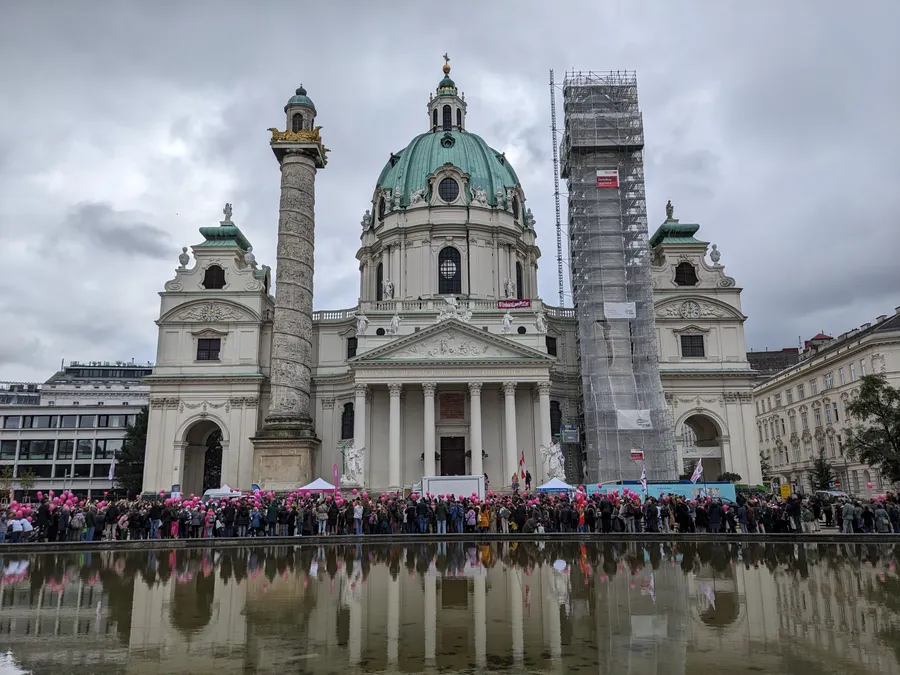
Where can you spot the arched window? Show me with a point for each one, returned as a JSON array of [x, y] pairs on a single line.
[[214, 277], [515, 207], [296, 122], [379, 279], [449, 272], [520, 293], [448, 118], [347, 422], [685, 274], [555, 418], [434, 119], [458, 118], [382, 207]]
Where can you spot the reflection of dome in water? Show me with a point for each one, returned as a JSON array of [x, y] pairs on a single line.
[[725, 612]]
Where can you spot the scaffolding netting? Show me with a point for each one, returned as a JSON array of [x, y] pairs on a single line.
[[623, 406]]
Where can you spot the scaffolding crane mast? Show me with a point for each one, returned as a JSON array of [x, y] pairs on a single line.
[[622, 406]]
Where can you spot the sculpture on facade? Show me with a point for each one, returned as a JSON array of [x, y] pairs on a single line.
[[227, 212], [509, 288], [451, 310], [398, 195], [366, 221], [362, 323], [387, 289], [715, 255], [353, 465], [498, 195], [249, 258], [183, 257], [670, 210], [507, 323], [479, 196], [417, 196], [540, 323], [554, 462], [529, 220], [394, 328]]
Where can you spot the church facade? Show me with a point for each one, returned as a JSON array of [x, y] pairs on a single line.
[[450, 363]]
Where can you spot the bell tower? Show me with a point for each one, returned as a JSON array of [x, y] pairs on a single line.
[[447, 109], [284, 448]]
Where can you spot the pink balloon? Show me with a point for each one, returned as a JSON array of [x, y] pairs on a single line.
[[328, 499], [365, 495], [40, 495], [53, 507], [355, 491], [19, 514], [869, 485], [51, 493], [28, 519]]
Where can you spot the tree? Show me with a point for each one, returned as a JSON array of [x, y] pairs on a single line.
[[765, 467], [26, 480], [875, 438], [130, 464], [212, 462], [729, 477], [822, 473], [6, 480]]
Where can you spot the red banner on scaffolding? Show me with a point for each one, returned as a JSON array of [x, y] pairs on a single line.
[[608, 178], [513, 304]]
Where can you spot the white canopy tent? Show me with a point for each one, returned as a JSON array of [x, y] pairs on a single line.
[[318, 485], [555, 485]]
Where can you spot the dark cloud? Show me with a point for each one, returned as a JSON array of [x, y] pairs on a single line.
[[125, 127]]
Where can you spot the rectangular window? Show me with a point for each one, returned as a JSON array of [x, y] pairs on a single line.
[[841, 377], [789, 395], [208, 349], [817, 416], [105, 449], [113, 447], [86, 421], [853, 372], [117, 421], [82, 471], [352, 344], [8, 449], [782, 427], [828, 414], [65, 449], [757, 409], [129, 420], [68, 421], [835, 409], [792, 420], [862, 367], [829, 380], [804, 421], [769, 404], [103, 421], [766, 430], [62, 471], [832, 446], [692, 347], [777, 400], [101, 471], [801, 392], [36, 449], [796, 453], [39, 422], [814, 386], [12, 422], [551, 345], [758, 428], [84, 449]]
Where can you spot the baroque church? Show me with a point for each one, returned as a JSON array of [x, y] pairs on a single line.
[[450, 363]]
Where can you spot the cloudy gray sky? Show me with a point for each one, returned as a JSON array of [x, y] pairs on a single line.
[[124, 127]]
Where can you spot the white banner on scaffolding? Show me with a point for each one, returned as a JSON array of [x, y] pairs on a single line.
[[619, 310], [633, 419], [608, 178]]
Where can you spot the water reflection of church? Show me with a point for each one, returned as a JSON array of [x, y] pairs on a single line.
[[629, 607]]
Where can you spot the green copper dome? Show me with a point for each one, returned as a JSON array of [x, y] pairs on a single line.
[[410, 167], [300, 98]]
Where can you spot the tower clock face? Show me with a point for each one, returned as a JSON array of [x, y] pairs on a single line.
[[690, 310]]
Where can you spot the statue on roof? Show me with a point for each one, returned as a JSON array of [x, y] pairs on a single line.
[[183, 257], [366, 220], [227, 212], [670, 210], [250, 258]]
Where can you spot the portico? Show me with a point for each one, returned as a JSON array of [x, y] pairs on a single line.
[[479, 393]]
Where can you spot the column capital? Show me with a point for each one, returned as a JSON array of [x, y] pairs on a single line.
[[509, 388], [429, 388], [360, 389], [395, 388], [543, 388], [475, 388]]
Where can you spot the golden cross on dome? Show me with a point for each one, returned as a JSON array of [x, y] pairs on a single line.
[[446, 59]]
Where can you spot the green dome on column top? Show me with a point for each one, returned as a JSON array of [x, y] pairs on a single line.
[[300, 98], [409, 168]]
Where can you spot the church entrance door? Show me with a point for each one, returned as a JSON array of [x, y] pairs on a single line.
[[453, 456]]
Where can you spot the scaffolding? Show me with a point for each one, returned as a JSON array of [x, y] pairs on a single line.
[[623, 406]]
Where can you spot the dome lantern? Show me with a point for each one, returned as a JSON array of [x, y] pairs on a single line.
[[300, 111], [447, 110]]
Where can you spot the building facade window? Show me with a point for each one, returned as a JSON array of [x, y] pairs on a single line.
[[208, 349], [296, 122], [766, 431], [817, 416], [828, 414], [777, 400], [692, 347], [551, 346], [801, 392], [841, 377], [65, 449], [685, 274], [449, 271], [448, 190], [555, 418], [84, 448], [347, 416], [789, 396], [458, 118], [759, 429], [829, 380], [832, 446], [352, 344], [519, 280], [382, 208], [834, 408], [814, 386], [12, 422], [8, 449], [214, 278], [853, 372], [862, 367], [379, 282], [447, 114], [804, 421], [781, 420], [792, 420]]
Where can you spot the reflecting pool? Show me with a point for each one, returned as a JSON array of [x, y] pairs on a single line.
[[625, 608]]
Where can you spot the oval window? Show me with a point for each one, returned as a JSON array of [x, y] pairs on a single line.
[[448, 190]]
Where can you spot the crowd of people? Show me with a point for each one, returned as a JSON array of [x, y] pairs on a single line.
[[66, 517]]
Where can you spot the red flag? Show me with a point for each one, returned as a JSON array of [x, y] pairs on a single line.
[[522, 466]]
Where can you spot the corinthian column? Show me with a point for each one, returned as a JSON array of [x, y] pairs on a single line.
[[284, 448], [509, 428]]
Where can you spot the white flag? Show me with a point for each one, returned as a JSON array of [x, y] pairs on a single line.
[[698, 471], [112, 470]]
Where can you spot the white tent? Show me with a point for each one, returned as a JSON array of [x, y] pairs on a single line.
[[555, 485], [318, 485]]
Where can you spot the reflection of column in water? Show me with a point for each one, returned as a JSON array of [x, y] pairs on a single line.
[[514, 589], [479, 618], [393, 618], [430, 616], [550, 601], [356, 628]]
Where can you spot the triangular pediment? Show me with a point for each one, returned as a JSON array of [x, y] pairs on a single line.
[[452, 340]]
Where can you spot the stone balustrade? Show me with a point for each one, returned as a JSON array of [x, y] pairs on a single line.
[[434, 305]]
